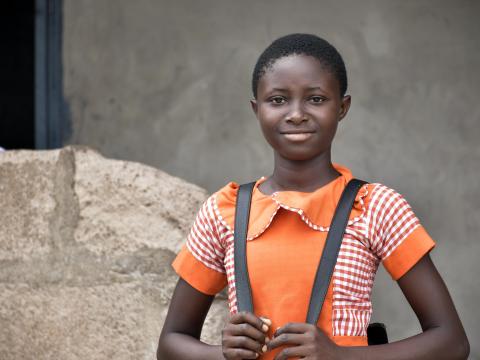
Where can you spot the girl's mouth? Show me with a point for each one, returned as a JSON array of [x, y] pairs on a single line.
[[298, 137]]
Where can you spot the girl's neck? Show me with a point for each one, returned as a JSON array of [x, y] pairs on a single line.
[[304, 176]]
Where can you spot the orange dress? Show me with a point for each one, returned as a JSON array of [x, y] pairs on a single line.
[[286, 235]]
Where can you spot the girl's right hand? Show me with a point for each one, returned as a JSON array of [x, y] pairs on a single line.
[[244, 336]]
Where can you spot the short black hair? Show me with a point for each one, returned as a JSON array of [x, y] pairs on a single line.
[[301, 44]]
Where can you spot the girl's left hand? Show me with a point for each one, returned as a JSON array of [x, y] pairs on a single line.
[[305, 341]]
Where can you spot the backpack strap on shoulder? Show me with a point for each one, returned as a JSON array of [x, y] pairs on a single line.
[[242, 215], [331, 249]]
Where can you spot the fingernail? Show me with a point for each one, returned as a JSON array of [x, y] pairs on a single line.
[[256, 355], [265, 327], [275, 332], [267, 339], [266, 321], [264, 348]]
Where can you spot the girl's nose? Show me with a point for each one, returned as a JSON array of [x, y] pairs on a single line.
[[296, 115]]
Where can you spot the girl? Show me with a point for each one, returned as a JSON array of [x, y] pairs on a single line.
[[299, 85]]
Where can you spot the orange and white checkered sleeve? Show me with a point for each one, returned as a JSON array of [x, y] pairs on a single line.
[[200, 262], [396, 235]]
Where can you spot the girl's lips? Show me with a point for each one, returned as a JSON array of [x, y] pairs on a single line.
[[297, 137]]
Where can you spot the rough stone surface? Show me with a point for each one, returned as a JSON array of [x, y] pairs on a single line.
[[25, 232], [85, 250]]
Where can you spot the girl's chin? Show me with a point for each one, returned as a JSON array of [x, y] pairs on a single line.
[[299, 155]]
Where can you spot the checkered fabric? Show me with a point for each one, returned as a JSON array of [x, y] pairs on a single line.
[[382, 227]]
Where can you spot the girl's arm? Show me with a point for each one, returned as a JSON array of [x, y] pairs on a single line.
[[182, 328], [243, 337], [443, 336]]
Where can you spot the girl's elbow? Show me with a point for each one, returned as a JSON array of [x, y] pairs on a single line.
[[458, 346], [463, 348], [161, 352]]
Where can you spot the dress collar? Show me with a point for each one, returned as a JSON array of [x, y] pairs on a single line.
[[315, 208]]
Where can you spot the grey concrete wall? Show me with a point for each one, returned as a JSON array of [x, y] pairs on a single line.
[[167, 83]]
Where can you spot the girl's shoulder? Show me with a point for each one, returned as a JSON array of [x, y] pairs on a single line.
[[262, 207], [383, 198]]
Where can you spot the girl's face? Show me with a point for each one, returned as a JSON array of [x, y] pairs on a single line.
[[299, 106]]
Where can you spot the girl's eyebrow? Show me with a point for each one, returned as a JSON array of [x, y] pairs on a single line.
[[278, 89], [315, 88], [311, 88]]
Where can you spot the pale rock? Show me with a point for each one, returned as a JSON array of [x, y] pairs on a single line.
[[86, 245]]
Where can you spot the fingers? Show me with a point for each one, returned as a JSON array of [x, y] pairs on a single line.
[[247, 317], [247, 324], [243, 342], [294, 328], [297, 351], [244, 336], [290, 334], [247, 330], [285, 339]]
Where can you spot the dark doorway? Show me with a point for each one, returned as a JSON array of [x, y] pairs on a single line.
[[32, 110], [51, 125], [17, 88]]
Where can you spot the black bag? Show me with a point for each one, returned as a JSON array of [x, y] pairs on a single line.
[[376, 332]]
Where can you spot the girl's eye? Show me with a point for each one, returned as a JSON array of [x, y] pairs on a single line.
[[317, 99], [277, 100]]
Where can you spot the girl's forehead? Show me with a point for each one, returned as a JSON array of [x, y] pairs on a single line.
[[297, 70], [294, 60]]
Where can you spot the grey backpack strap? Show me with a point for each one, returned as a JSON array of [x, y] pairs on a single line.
[[327, 261], [331, 249], [242, 215]]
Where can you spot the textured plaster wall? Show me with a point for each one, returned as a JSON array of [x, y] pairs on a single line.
[[168, 84]]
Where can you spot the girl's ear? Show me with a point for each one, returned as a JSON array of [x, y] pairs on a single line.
[[254, 105], [344, 106]]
